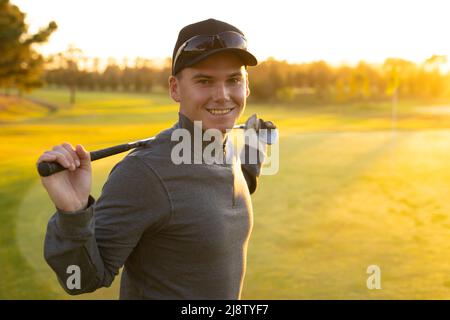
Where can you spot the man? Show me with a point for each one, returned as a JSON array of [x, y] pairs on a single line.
[[180, 231]]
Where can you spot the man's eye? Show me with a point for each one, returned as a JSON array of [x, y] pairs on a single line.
[[235, 80], [204, 81]]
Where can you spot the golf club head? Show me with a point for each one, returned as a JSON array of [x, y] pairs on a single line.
[[269, 135], [252, 123]]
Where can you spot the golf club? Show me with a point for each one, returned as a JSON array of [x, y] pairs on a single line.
[[46, 169]]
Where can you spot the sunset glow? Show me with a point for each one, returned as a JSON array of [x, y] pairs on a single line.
[[298, 31]]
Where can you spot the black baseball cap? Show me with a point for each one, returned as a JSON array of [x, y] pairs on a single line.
[[207, 27]]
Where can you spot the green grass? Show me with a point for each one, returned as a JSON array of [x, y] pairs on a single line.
[[351, 192]]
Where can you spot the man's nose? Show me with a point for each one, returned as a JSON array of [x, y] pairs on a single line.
[[221, 92]]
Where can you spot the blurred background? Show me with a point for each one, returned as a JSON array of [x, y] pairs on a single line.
[[360, 91]]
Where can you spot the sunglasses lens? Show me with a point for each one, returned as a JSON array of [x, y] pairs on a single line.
[[202, 43], [199, 44], [222, 40], [233, 40]]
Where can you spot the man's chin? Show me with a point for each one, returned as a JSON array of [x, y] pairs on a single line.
[[222, 127]]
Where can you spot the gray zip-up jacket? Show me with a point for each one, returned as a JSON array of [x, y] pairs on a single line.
[[180, 231]]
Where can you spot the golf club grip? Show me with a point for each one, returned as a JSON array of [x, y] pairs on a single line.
[[46, 169]]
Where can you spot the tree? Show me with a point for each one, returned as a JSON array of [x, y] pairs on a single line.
[[20, 65], [432, 66], [71, 57], [111, 75]]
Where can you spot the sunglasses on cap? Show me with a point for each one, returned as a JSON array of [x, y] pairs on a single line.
[[203, 43]]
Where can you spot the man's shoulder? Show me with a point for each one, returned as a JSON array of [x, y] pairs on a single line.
[[137, 168], [155, 152]]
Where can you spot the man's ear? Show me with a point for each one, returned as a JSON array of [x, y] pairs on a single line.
[[174, 88], [247, 88]]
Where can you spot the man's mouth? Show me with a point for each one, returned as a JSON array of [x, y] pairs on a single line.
[[219, 112]]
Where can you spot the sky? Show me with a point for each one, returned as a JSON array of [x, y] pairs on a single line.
[[343, 31]]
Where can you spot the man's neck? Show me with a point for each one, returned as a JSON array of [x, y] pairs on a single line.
[[187, 123]]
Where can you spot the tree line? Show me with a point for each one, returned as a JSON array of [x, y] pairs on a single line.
[[23, 68], [271, 80], [321, 82], [73, 70]]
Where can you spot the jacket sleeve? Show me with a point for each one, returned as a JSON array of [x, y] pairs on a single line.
[[96, 241]]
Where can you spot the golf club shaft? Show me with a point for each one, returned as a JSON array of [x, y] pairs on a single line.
[[46, 169]]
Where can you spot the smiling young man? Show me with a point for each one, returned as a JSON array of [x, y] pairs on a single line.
[[213, 91], [180, 231]]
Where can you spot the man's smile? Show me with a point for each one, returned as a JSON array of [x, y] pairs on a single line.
[[219, 112]]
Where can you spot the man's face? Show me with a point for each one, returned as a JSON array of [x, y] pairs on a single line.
[[213, 91]]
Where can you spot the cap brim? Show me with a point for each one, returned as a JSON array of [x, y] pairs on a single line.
[[246, 57]]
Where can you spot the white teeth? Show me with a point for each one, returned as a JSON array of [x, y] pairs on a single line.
[[219, 111]]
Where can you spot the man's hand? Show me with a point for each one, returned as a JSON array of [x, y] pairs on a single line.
[[69, 189]]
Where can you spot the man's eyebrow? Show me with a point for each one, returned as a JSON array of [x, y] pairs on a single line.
[[235, 74], [205, 76], [201, 75]]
